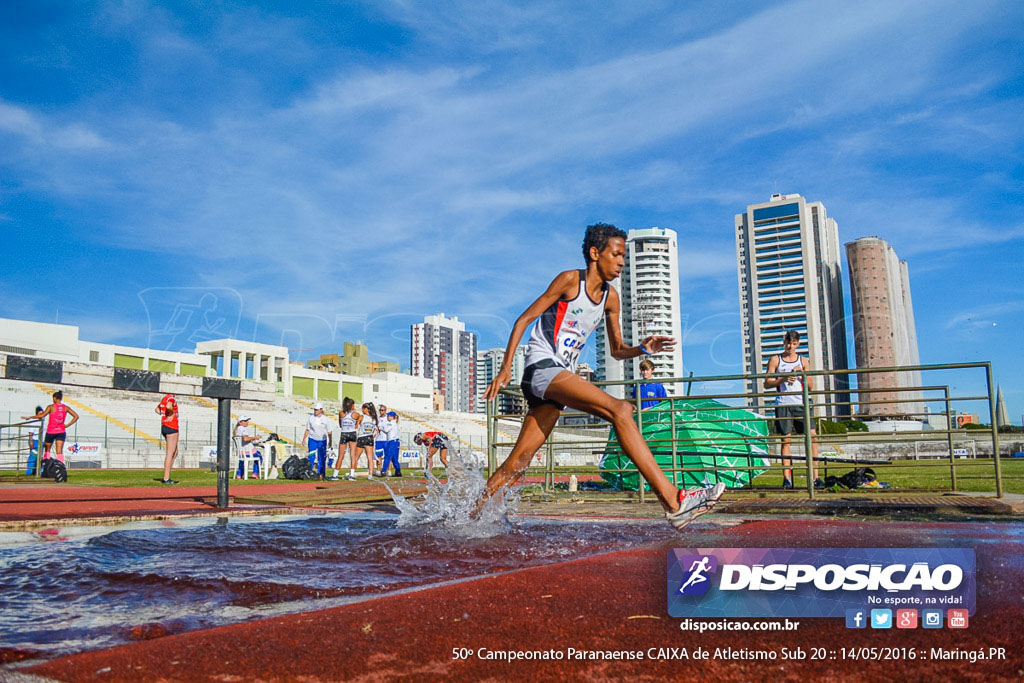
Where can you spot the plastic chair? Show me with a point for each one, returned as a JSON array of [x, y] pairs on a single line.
[[246, 454]]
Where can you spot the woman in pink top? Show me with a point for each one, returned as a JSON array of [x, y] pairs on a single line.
[[56, 426]]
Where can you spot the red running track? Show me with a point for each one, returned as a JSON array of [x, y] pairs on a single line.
[[64, 502], [609, 602]]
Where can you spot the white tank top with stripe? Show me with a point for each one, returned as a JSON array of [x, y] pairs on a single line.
[[348, 421], [561, 331], [367, 426], [791, 392]]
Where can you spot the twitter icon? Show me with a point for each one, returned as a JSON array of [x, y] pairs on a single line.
[[881, 618]]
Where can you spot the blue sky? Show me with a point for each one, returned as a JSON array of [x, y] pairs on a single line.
[[335, 171]]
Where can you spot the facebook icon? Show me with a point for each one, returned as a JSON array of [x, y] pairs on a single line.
[[856, 618]]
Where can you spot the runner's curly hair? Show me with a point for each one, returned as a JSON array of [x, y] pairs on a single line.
[[598, 235]]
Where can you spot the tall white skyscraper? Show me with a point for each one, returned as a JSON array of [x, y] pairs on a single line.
[[488, 363], [649, 290], [444, 351], [790, 278]]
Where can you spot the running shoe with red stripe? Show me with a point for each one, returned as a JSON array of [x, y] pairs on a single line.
[[693, 503]]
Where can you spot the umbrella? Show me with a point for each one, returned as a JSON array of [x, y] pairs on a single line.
[[708, 434]]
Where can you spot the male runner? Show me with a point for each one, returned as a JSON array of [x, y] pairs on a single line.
[[572, 307], [789, 406]]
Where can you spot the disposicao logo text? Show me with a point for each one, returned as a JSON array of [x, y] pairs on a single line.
[[717, 582]]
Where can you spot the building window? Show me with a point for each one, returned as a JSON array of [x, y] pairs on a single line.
[[94, 356]]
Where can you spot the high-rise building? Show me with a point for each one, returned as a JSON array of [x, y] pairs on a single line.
[[884, 334], [790, 278], [488, 363], [444, 351], [649, 292]]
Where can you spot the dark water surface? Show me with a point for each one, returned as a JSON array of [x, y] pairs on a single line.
[[120, 585]]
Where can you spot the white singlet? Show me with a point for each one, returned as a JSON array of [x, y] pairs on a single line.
[[790, 391], [561, 331]]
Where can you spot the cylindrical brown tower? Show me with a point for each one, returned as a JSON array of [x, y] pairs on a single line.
[[884, 334]]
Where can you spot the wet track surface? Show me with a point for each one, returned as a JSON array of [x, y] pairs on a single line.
[[610, 601], [72, 594]]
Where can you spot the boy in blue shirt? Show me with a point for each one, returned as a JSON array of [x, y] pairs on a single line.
[[655, 390]]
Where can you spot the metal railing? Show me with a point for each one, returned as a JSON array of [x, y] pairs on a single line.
[[21, 445], [572, 449], [124, 449]]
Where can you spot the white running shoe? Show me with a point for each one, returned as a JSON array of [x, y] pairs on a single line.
[[693, 503]]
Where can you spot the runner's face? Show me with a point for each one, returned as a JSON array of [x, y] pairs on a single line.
[[612, 260], [791, 346]]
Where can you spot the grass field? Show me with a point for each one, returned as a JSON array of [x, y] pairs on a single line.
[[930, 475], [972, 475]]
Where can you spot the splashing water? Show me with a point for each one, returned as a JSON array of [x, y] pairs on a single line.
[[448, 506]]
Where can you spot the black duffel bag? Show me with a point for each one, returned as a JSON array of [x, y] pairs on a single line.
[[297, 468], [55, 469]]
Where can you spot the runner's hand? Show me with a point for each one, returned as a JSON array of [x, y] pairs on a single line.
[[504, 375], [659, 344]]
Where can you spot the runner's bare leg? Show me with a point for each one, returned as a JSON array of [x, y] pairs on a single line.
[[577, 393], [537, 425]]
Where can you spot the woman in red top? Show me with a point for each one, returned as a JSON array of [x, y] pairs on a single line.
[[168, 412], [56, 429]]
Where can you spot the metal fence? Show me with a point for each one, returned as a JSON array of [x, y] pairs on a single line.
[[19, 444], [937, 447], [131, 449]]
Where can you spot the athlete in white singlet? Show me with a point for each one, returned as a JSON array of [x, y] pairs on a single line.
[[571, 308], [558, 337], [789, 406]]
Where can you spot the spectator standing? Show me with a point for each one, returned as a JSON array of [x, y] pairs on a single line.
[[33, 446], [381, 445], [347, 421], [167, 409], [653, 390], [317, 439], [56, 426], [790, 416], [366, 432], [391, 447]]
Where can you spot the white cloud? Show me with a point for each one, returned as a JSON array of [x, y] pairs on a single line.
[[417, 175], [40, 133], [982, 317]]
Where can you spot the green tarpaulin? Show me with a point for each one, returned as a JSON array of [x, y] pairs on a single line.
[[707, 433]]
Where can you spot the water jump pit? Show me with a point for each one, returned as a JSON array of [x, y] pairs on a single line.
[[86, 588], [424, 594]]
